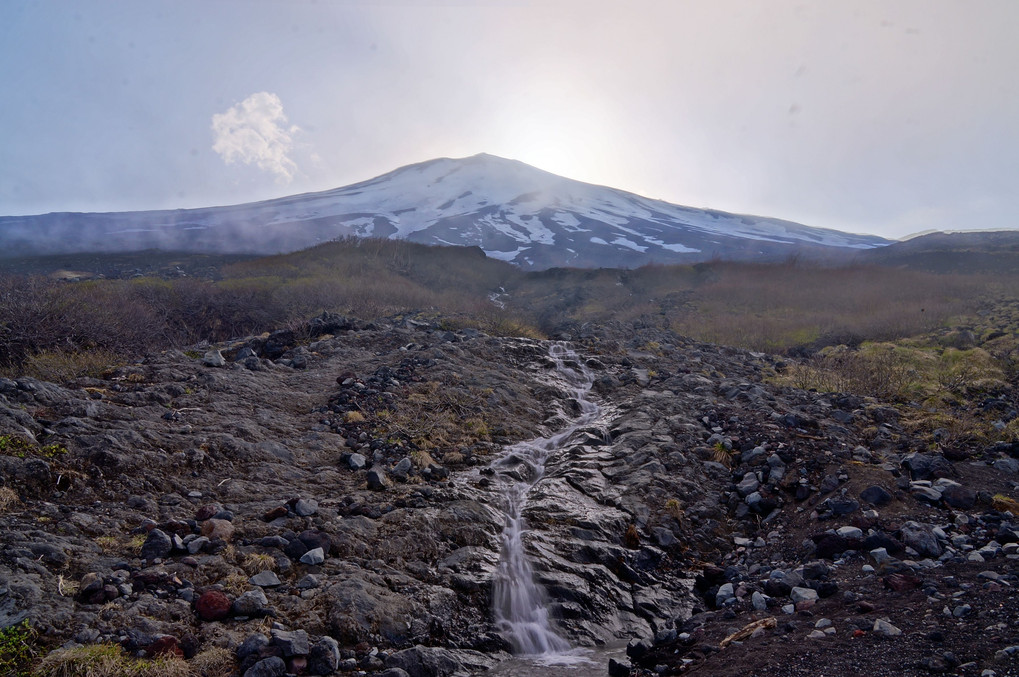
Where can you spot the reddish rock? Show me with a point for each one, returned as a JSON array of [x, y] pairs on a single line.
[[167, 645], [275, 513], [221, 529], [205, 512], [902, 582], [179, 527], [213, 606]]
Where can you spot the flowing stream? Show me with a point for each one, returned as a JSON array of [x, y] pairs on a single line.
[[518, 602]]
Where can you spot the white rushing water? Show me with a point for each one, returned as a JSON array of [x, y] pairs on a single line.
[[518, 602]]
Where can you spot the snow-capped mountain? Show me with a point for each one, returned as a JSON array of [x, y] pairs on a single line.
[[511, 210]]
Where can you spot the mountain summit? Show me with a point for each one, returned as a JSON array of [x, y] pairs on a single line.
[[511, 210]]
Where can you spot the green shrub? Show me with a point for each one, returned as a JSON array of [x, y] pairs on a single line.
[[17, 649]]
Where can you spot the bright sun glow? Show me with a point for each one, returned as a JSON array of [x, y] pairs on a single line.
[[563, 136]]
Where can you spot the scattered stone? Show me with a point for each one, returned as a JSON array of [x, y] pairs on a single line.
[[921, 538], [218, 529], [309, 582], [313, 557], [885, 629], [724, 595], [798, 595], [291, 643], [213, 358], [619, 668], [928, 466], [265, 579], [422, 661], [401, 470], [851, 533], [274, 666], [958, 497], [377, 480], [305, 507], [324, 658], [251, 603], [213, 605], [157, 545]]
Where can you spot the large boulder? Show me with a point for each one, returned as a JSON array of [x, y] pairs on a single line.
[[424, 661], [358, 608]]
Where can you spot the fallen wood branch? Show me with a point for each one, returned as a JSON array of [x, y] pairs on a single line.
[[748, 630]]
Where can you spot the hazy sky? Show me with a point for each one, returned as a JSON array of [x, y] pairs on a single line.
[[884, 116]]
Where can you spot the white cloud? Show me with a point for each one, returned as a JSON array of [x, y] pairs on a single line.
[[255, 131]]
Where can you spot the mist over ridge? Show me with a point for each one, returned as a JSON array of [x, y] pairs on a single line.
[[512, 211]]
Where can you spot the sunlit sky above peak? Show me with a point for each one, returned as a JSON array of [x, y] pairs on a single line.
[[878, 116]]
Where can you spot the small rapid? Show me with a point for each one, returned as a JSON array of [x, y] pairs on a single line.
[[518, 602]]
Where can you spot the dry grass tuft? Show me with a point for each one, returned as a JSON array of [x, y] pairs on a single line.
[[8, 499], [213, 662], [1003, 503], [256, 562], [108, 660]]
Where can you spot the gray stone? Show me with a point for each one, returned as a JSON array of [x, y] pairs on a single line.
[[929, 494], [213, 358], [251, 603], [759, 601], [724, 594], [928, 466], [798, 595], [313, 557], [885, 629], [829, 484], [292, 643], [1009, 465], [305, 507], [309, 582], [158, 545], [252, 644], [664, 537], [195, 546], [267, 667], [875, 495], [377, 480], [880, 555], [324, 657], [265, 579], [842, 505], [958, 497], [422, 661], [401, 470], [356, 461], [921, 538], [748, 485], [853, 533]]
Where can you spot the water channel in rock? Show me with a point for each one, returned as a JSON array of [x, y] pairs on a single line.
[[518, 602]]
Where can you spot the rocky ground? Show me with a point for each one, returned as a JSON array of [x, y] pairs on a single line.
[[293, 505]]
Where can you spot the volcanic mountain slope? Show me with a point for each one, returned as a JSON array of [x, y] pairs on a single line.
[[291, 506], [511, 210]]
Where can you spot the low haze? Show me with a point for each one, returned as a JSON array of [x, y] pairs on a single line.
[[879, 117]]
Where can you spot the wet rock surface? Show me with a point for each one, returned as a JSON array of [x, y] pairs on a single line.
[[284, 503]]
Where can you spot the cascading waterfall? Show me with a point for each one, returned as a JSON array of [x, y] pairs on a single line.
[[521, 614]]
